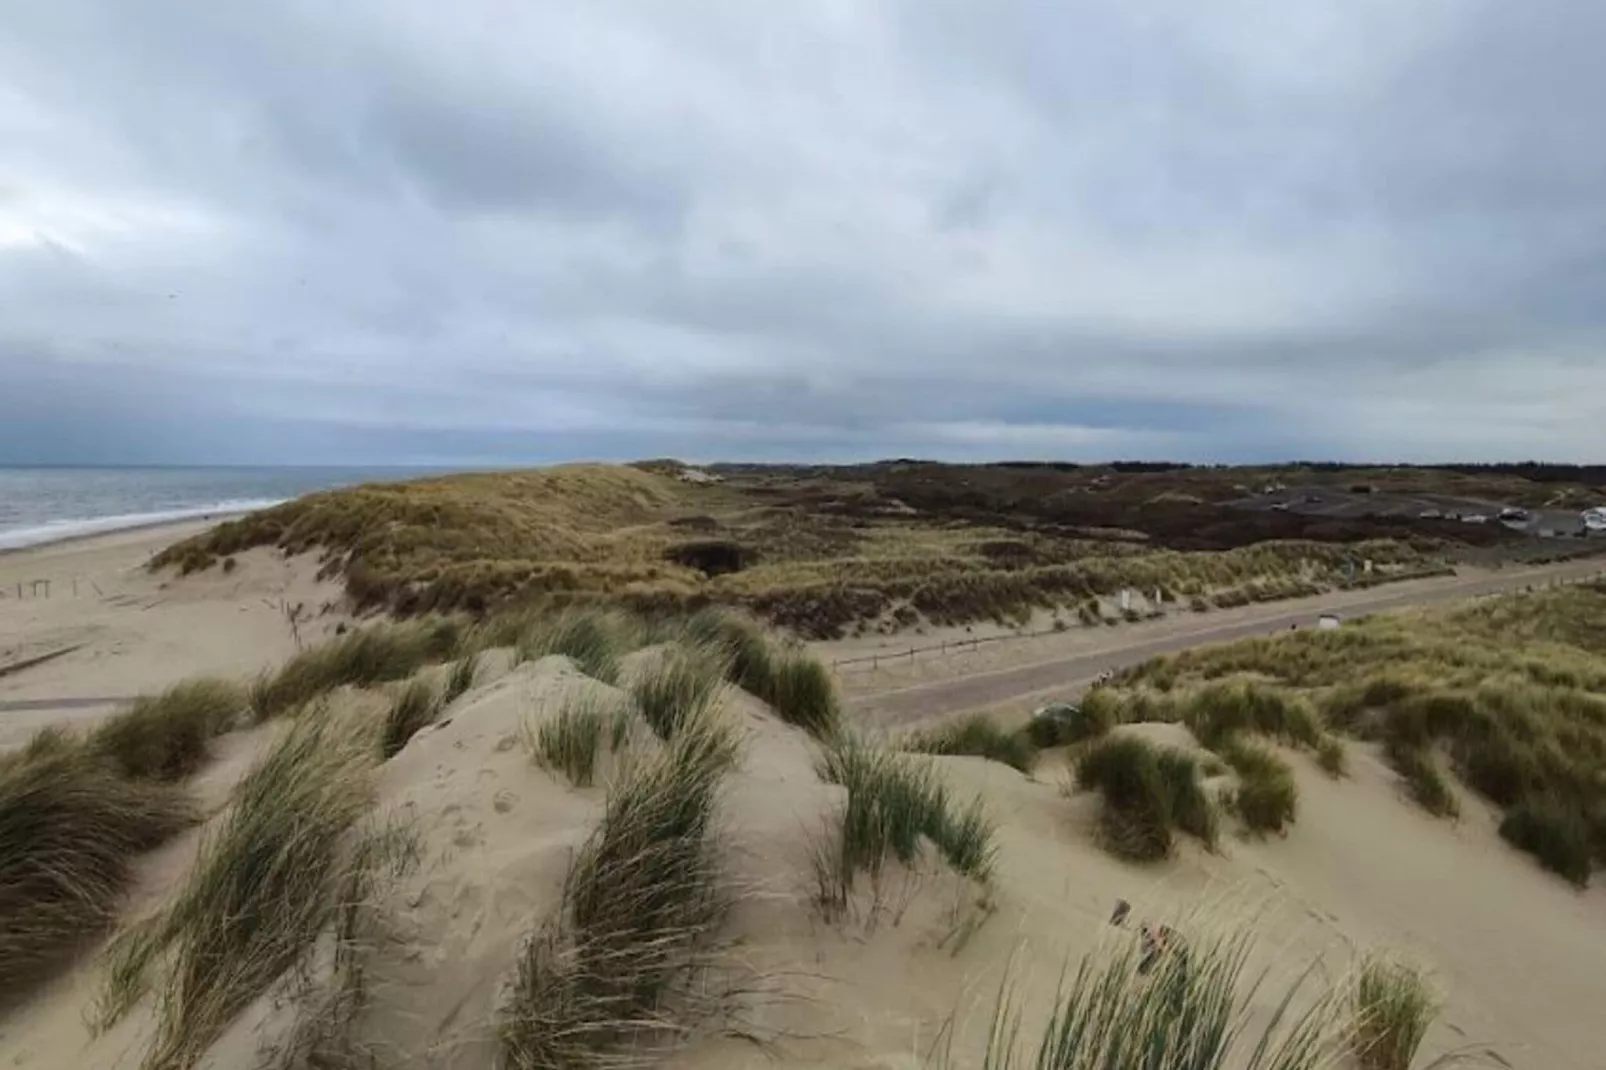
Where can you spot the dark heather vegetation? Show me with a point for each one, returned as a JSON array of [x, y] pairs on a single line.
[[824, 550], [1148, 793], [1505, 694]]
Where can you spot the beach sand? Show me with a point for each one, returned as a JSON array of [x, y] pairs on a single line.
[[108, 629]]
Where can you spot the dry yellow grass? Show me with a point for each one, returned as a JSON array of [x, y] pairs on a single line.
[[816, 559]]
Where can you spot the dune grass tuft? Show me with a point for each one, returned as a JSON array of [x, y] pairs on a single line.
[[1427, 783], [748, 654], [1148, 792], [978, 735], [894, 804], [362, 658], [414, 708], [802, 693], [570, 741], [1393, 1008], [166, 736], [1510, 690], [70, 826], [1189, 1011], [1192, 809], [461, 680], [616, 974], [683, 684], [1559, 837], [1332, 756], [1267, 798], [267, 883], [593, 638], [1219, 710]]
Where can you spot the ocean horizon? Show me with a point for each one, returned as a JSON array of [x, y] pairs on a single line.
[[42, 504]]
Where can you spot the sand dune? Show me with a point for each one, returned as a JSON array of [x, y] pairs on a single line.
[[913, 969], [1518, 952]]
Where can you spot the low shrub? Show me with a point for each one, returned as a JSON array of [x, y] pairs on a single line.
[[166, 736], [1060, 724], [978, 735]]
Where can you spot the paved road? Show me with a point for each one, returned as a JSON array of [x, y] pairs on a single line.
[[1072, 673]]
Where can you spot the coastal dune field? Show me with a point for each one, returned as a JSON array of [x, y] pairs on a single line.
[[610, 832]]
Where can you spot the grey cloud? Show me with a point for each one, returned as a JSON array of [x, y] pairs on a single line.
[[402, 231]]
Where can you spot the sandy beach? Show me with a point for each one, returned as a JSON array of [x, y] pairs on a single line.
[[93, 626]]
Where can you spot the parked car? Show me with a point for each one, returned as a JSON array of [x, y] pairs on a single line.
[[1474, 518], [1430, 514]]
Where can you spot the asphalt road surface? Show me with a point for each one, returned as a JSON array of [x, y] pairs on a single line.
[[1072, 674]]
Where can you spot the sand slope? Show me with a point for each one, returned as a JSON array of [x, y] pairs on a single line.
[[918, 966]]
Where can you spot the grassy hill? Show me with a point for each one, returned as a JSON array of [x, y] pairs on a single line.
[[820, 550]]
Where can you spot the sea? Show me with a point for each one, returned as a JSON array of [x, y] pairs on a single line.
[[49, 504]]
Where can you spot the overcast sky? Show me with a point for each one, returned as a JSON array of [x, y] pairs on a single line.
[[416, 231]]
